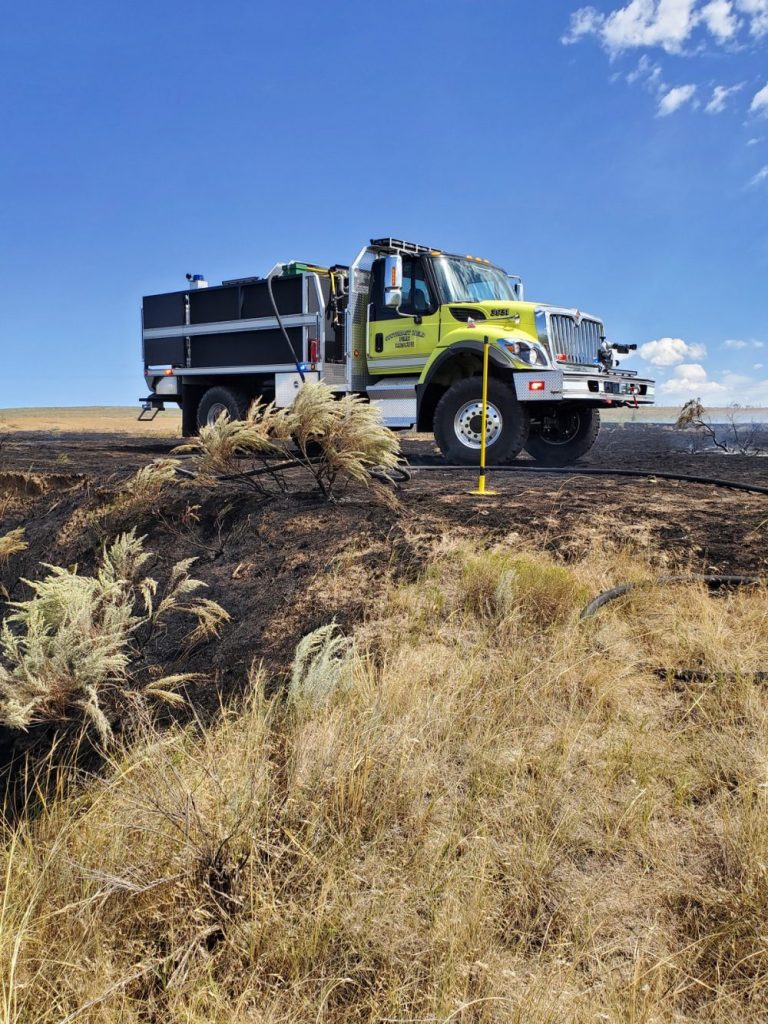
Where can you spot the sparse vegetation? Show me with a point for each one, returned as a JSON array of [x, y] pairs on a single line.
[[485, 811], [733, 438], [69, 653], [336, 440]]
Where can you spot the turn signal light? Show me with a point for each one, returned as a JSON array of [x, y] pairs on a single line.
[[168, 372], [536, 385]]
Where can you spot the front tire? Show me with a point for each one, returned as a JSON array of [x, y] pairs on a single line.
[[563, 435], [458, 423], [218, 400]]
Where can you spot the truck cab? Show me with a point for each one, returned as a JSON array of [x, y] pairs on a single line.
[[405, 326]]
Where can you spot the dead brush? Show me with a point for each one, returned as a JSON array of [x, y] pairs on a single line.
[[336, 441], [71, 652], [735, 438]]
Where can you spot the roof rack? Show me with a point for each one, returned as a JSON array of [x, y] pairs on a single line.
[[397, 245]]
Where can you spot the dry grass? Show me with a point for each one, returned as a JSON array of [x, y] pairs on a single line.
[[483, 811], [68, 652], [91, 419], [11, 543], [338, 440]]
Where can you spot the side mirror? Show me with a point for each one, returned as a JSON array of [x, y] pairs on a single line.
[[517, 287], [393, 281]]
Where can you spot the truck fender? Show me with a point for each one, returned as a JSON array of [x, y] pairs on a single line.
[[428, 390], [432, 368]]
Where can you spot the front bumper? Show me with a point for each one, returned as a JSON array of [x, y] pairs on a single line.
[[608, 387], [599, 388]]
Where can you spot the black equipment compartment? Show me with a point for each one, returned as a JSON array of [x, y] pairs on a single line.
[[169, 316]]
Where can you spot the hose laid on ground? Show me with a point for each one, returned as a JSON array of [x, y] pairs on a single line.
[[406, 470], [713, 582], [695, 675], [590, 471]]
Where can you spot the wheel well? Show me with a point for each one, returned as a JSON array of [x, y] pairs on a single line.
[[459, 367]]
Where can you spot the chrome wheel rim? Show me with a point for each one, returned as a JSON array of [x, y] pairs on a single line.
[[468, 424], [214, 412]]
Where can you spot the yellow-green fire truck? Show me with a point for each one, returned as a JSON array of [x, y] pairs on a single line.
[[403, 325]]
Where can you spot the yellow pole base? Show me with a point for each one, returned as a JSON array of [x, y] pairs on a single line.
[[481, 490]]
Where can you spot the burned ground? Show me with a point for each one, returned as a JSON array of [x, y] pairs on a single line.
[[285, 564]]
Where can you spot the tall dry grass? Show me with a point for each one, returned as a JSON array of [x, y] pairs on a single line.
[[336, 440], [484, 810]]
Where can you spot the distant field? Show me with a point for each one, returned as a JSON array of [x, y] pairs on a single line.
[[96, 419], [123, 419]]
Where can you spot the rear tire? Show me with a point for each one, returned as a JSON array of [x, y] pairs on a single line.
[[458, 422], [217, 400], [563, 435]]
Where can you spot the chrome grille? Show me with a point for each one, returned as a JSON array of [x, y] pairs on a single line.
[[580, 343]]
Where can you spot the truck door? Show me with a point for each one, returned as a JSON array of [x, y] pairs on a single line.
[[401, 341]]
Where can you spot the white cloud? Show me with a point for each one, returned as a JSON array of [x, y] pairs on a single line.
[[757, 366], [759, 103], [648, 73], [670, 351], [584, 22], [675, 98], [739, 343], [754, 142], [720, 19], [690, 380], [664, 23], [760, 178], [720, 97], [757, 12], [745, 390], [668, 24]]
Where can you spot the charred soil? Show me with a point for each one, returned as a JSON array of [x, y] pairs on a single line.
[[286, 564]]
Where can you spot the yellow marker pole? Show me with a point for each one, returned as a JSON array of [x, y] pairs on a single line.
[[484, 426]]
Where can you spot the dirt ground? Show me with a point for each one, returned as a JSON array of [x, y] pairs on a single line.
[[288, 563]]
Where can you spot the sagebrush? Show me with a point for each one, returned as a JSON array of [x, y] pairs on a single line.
[[68, 652]]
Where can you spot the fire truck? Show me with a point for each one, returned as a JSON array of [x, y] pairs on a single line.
[[404, 325]]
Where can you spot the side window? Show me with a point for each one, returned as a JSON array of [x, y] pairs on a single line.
[[416, 297]]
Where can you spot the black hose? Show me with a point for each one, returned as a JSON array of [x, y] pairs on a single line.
[[294, 360], [713, 582], [697, 675], [590, 471]]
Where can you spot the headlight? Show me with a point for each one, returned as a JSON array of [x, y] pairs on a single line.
[[529, 352]]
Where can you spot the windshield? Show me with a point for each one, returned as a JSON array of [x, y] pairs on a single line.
[[463, 281]]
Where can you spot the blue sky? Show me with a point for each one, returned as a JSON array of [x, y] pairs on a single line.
[[615, 155]]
